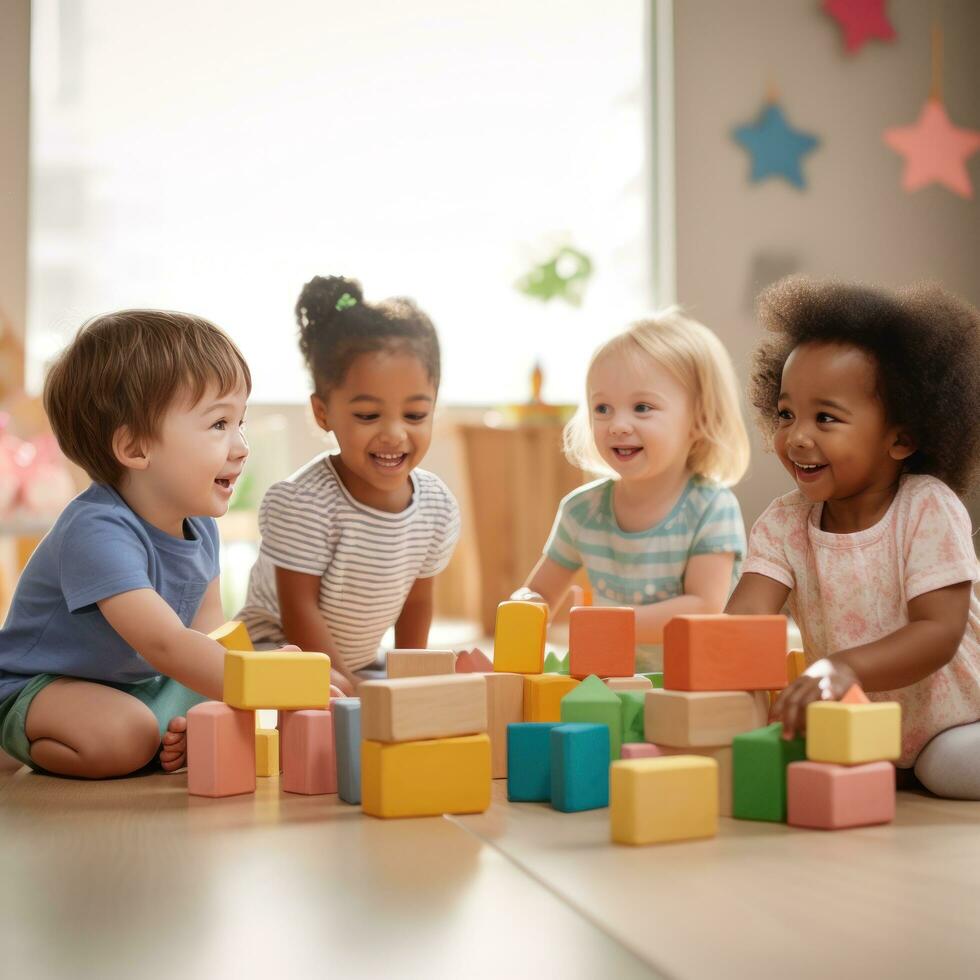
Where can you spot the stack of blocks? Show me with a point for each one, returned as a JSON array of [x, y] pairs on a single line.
[[425, 749]]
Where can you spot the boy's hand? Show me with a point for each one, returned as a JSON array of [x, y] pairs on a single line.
[[525, 594], [826, 680]]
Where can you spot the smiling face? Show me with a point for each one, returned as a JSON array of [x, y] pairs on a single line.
[[381, 417], [833, 436]]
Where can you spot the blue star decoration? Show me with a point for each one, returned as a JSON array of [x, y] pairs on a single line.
[[776, 147]]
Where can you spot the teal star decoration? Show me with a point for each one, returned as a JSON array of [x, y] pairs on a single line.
[[563, 276], [776, 147]]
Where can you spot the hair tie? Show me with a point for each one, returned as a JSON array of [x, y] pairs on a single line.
[[345, 302]]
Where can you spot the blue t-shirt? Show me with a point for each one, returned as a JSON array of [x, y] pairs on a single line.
[[99, 548]]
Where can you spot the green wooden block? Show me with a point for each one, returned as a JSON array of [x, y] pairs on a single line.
[[552, 663], [563, 664], [656, 679], [594, 703], [759, 761], [632, 702]]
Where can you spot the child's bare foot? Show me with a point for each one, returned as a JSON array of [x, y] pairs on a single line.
[[173, 753]]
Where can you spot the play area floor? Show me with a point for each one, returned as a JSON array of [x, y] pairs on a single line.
[[132, 877]]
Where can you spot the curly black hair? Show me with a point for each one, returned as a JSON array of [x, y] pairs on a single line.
[[926, 344], [336, 326]]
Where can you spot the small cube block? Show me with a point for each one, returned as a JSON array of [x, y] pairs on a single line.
[[602, 641], [593, 702], [725, 653], [850, 734], [426, 778], [529, 761], [663, 799], [220, 750], [413, 708], [518, 645], [641, 750], [633, 708], [473, 662], [635, 683], [579, 767], [543, 694], [347, 745], [309, 762], [830, 797], [266, 752], [686, 719], [420, 663], [505, 706], [759, 761], [232, 636], [286, 679]]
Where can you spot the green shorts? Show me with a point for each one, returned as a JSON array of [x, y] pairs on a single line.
[[164, 696]]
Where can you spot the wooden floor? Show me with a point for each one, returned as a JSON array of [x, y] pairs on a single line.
[[134, 878]]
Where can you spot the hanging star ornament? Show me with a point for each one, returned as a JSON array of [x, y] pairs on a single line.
[[860, 20], [935, 150], [776, 147]]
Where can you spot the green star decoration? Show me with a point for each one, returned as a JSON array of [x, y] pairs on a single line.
[[345, 302]]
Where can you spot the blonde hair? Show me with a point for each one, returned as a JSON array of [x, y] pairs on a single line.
[[699, 361]]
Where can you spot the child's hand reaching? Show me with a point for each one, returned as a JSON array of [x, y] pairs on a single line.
[[525, 594], [825, 680]]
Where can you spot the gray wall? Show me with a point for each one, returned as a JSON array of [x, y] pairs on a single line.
[[853, 220]]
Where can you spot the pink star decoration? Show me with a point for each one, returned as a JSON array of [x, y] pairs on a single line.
[[860, 20], [935, 150]]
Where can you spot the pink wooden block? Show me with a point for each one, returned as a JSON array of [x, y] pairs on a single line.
[[640, 750], [473, 662], [220, 750], [309, 759], [829, 797]]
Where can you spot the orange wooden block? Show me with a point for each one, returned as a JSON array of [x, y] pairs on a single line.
[[795, 665], [309, 760], [220, 750], [855, 695], [473, 662], [725, 653], [543, 694], [602, 641]]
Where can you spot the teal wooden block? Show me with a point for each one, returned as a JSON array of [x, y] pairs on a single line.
[[759, 761], [346, 714], [529, 761], [656, 679], [633, 715], [594, 703], [579, 767]]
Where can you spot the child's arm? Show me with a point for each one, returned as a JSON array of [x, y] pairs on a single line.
[[757, 595], [210, 614], [304, 625], [412, 625], [548, 582]]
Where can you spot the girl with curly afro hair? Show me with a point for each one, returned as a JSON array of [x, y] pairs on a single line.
[[871, 400]]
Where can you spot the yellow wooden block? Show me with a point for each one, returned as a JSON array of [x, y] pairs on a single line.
[[795, 665], [411, 708], [286, 679], [233, 636], [543, 694], [427, 778], [267, 752], [420, 663], [850, 734], [663, 799], [518, 644]]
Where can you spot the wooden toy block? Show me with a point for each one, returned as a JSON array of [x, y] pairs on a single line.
[[722, 754], [855, 695], [233, 636], [563, 664], [220, 750], [825, 796], [426, 778], [602, 641], [529, 761], [505, 706], [286, 679], [347, 745], [656, 679], [687, 719], [849, 734], [473, 662], [635, 683], [633, 708], [420, 663], [579, 767], [413, 708], [580, 596], [663, 799], [309, 761], [725, 653], [759, 761], [795, 665], [543, 694], [518, 645], [266, 752], [641, 750], [552, 663], [593, 702]]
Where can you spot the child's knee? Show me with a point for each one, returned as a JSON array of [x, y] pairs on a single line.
[[949, 766]]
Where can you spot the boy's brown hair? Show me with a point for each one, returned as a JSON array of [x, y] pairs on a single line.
[[127, 369]]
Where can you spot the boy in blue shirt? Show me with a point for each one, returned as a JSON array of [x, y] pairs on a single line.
[[105, 647]]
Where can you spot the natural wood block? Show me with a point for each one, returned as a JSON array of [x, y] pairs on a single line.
[[518, 645], [722, 754], [579, 767], [346, 714], [697, 718], [543, 694], [759, 761], [640, 750], [593, 702], [635, 683], [830, 797], [505, 706], [413, 708], [266, 752], [795, 665], [473, 662], [663, 799], [850, 734], [420, 663], [286, 679], [220, 750], [309, 762], [725, 653], [426, 778], [232, 636], [602, 641]]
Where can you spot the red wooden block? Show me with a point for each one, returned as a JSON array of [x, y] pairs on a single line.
[[602, 641], [640, 750], [725, 653], [220, 750], [830, 797], [473, 662], [309, 759]]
